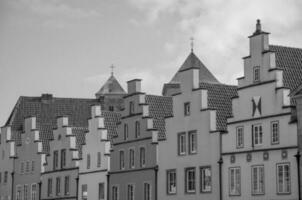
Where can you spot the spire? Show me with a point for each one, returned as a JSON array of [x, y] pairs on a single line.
[[112, 69], [192, 44]]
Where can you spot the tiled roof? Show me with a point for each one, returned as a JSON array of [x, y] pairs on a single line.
[[46, 109], [80, 134], [290, 61], [219, 98], [159, 108], [193, 62], [112, 86], [111, 120]]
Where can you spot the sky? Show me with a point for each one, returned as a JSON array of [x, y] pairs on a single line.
[[66, 47]]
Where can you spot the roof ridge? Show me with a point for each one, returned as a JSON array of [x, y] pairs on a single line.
[[283, 46]]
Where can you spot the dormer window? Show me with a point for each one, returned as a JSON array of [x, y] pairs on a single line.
[[256, 74]]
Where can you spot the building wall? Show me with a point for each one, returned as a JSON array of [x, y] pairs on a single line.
[[208, 144], [298, 99]]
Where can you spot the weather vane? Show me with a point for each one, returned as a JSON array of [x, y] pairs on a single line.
[[112, 69], [192, 43]]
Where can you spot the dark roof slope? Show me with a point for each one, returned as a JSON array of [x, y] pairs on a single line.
[[111, 119], [220, 99], [159, 108], [111, 86], [289, 59]]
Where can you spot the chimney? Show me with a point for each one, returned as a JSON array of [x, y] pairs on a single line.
[[258, 27], [134, 86]]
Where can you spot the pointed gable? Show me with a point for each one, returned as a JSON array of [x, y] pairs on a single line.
[[112, 86]]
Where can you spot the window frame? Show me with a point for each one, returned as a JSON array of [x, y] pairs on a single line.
[[183, 144], [25, 194], [201, 174], [137, 129], [58, 186], [19, 192], [277, 179], [253, 192], [235, 180], [131, 107], [122, 161], [115, 189], [272, 132], [256, 68], [131, 158], [187, 181], [101, 196], [168, 181], [55, 159], [67, 185], [63, 158], [149, 194], [49, 187], [32, 193], [238, 146], [99, 159], [88, 161], [192, 133], [131, 195], [84, 196], [260, 133], [126, 131], [187, 109], [142, 157]]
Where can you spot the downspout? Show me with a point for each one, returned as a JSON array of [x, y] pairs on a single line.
[[220, 162], [298, 156], [156, 175], [77, 184], [40, 189], [13, 182], [108, 185]]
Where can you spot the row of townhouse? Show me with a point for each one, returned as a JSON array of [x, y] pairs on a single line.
[[201, 139]]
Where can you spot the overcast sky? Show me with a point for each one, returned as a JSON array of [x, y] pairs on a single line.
[[65, 47]]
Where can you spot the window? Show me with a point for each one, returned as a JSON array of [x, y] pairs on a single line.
[[19, 192], [66, 185], [34, 191], [171, 181], [275, 132], [0, 177], [125, 131], [130, 192], [101, 191], [257, 133], [49, 187], [22, 168], [63, 158], [55, 160], [115, 193], [88, 161], [58, 186], [122, 160], [27, 167], [205, 179], [192, 142], [142, 156], [256, 73], [187, 109], [137, 129], [99, 159], [32, 166], [84, 192], [190, 180], [5, 177], [147, 191], [283, 178], [25, 192], [239, 137], [131, 158], [111, 108], [131, 107], [234, 181], [181, 143], [258, 180]]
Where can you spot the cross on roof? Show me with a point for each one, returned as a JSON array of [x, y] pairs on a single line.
[[192, 43], [112, 69]]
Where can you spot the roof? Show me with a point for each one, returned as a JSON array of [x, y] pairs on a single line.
[[111, 119], [111, 86], [193, 62], [289, 59], [159, 108], [46, 109], [220, 99]]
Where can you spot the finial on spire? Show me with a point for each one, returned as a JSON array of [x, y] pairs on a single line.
[[192, 44], [258, 26], [112, 69]]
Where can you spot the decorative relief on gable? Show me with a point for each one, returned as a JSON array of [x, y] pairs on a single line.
[[256, 106]]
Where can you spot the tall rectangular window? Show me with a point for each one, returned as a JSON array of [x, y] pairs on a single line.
[[131, 107], [142, 156], [130, 192], [137, 129], [283, 178], [49, 187], [122, 160], [190, 177], [99, 159], [192, 142], [239, 137], [181, 143], [257, 134], [5, 176], [55, 160], [125, 131], [66, 185], [205, 179], [275, 132], [147, 191], [19, 192], [88, 161], [25, 192], [34, 191], [32, 166], [22, 168], [27, 166], [171, 181], [234, 181], [58, 186], [131, 158], [115, 193], [63, 158], [0, 177], [84, 192], [256, 73], [101, 191], [258, 179], [187, 109]]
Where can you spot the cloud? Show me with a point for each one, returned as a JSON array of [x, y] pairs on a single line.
[[220, 28]]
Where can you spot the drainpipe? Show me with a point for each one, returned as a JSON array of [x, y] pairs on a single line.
[[156, 174], [77, 184], [13, 182], [298, 156], [220, 162], [40, 189], [108, 185]]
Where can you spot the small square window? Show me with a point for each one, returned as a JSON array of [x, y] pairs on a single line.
[[187, 109]]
